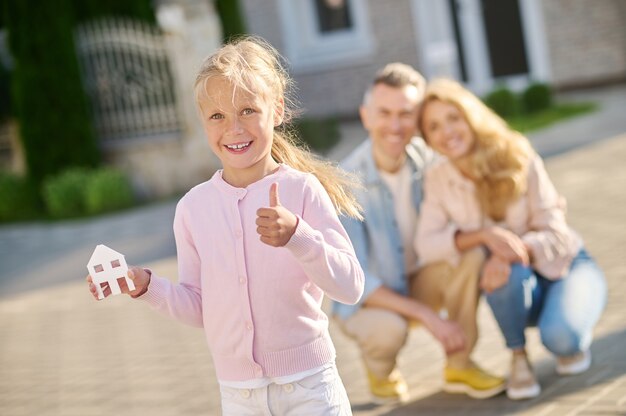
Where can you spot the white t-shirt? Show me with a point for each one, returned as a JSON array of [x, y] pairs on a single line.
[[399, 184]]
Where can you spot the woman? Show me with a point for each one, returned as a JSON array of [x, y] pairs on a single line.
[[491, 190]]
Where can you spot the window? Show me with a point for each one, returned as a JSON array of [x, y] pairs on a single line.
[[322, 34], [332, 15], [115, 263], [98, 268]]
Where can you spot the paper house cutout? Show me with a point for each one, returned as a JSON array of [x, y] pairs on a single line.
[[106, 267]]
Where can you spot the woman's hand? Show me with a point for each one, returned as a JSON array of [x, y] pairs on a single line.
[[139, 276], [275, 224], [495, 273], [505, 244]]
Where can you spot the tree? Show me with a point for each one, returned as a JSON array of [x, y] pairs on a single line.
[[47, 97], [230, 15]]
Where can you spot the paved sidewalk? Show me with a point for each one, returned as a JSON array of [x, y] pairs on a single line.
[[63, 354]]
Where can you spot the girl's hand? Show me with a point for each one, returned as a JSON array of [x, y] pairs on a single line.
[[140, 278], [495, 274], [275, 224], [505, 244]]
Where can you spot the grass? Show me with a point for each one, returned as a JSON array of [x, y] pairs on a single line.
[[558, 112]]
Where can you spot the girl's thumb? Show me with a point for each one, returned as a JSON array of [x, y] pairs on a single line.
[[274, 199]]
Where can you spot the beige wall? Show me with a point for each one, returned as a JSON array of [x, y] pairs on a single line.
[[586, 41], [163, 167]]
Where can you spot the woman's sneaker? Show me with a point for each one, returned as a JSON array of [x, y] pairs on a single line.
[[574, 364], [522, 383]]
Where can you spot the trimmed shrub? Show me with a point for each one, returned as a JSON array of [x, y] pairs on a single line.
[[47, 96], [93, 9], [108, 190], [231, 18], [18, 198], [536, 97], [319, 135], [5, 94], [64, 194], [503, 101]]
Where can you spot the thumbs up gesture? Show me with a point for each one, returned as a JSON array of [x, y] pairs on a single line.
[[275, 224]]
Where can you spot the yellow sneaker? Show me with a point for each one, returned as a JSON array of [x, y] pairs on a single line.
[[473, 381], [390, 389]]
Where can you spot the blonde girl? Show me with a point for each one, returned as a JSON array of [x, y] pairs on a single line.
[[491, 190], [259, 245]]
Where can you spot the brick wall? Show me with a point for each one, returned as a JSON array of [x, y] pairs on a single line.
[[586, 40]]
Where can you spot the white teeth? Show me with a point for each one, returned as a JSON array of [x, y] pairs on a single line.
[[238, 146]]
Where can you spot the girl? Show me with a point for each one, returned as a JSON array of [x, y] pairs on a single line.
[[259, 244], [491, 190]]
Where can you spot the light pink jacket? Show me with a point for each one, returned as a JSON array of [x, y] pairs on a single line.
[[260, 306], [538, 217]]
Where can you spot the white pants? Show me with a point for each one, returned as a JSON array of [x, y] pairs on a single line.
[[322, 393]]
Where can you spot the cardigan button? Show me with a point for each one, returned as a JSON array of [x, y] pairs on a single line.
[[245, 393], [288, 388]]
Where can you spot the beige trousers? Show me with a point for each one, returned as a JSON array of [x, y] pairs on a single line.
[[381, 334]]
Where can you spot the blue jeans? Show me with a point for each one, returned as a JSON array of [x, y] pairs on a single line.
[[565, 310]]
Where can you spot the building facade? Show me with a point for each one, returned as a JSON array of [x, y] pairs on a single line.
[[335, 46]]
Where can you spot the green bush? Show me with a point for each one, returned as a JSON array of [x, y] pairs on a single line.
[[537, 97], [18, 198], [64, 194], [503, 101], [319, 134], [108, 190]]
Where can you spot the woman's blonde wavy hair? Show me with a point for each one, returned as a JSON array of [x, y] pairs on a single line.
[[500, 157], [252, 64]]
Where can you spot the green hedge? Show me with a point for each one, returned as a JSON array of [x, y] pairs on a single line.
[[537, 97], [79, 192], [48, 98], [18, 198], [319, 135], [64, 194], [5, 94], [108, 190], [231, 18], [503, 101], [136, 9]]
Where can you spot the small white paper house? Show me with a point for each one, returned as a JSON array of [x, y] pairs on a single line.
[[107, 267]]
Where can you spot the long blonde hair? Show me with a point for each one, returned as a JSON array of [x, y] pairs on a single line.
[[500, 157], [252, 64]]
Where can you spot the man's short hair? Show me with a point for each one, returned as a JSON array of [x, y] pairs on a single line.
[[398, 75]]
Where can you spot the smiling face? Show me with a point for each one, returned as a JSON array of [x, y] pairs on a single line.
[[446, 129], [239, 127], [389, 114]]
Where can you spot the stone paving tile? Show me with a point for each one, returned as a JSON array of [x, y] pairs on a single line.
[[63, 354]]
